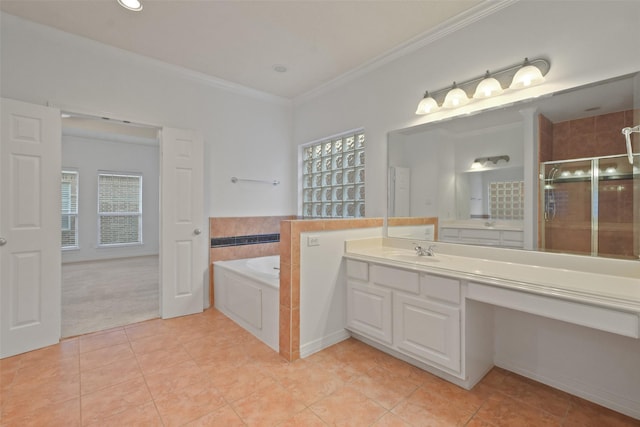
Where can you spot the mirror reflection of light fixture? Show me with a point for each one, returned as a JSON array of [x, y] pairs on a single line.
[[482, 161], [519, 76], [134, 5], [456, 97], [488, 87], [427, 105]]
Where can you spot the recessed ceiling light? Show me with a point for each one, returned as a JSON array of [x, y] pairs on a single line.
[[279, 68], [134, 5]]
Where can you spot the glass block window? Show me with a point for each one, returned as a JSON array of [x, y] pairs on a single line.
[[119, 209], [69, 204], [333, 180], [506, 200]]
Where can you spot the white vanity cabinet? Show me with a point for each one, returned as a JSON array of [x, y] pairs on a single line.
[[368, 305], [428, 328], [480, 236], [413, 313]]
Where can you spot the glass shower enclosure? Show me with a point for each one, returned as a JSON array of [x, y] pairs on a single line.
[[591, 206]]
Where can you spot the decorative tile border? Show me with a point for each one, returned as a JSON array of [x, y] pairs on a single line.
[[220, 242]]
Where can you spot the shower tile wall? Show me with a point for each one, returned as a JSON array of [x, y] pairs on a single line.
[[590, 137], [583, 138]]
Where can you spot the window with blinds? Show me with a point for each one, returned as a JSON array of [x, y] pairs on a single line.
[[119, 209], [333, 182], [69, 204]]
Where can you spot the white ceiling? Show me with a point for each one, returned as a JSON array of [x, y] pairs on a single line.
[[240, 41]]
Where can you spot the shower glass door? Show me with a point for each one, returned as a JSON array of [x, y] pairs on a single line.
[[567, 207], [590, 206]]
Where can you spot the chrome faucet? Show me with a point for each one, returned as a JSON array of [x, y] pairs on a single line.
[[420, 251]]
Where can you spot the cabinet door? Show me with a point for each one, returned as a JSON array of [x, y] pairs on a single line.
[[369, 311], [427, 330]]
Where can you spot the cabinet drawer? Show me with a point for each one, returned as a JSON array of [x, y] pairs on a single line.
[[451, 233], [513, 236], [480, 234], [357, 270], [441, 288], [403, 280]]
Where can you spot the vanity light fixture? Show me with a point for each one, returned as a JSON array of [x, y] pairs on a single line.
[[488, 87], [456, 97], [520, 76], [133, 5], [427, 105], [482, 161], [528, 75]]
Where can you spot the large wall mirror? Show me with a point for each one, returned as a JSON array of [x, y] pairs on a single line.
[[576, 192]]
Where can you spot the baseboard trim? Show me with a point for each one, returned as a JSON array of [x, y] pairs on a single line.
[[315, 346]]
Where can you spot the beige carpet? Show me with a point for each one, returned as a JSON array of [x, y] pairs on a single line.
[[98, 295]]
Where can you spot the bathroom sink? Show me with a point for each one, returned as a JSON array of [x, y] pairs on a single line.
[[408, 256]]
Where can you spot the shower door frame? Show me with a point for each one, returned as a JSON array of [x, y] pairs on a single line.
[[594, 176]]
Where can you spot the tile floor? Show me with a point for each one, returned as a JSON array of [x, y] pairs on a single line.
[[204, 370]]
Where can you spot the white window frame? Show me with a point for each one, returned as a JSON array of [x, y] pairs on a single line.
[[70, 213], [111, 214], [327, 190]]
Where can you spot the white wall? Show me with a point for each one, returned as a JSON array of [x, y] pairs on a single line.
[[585, 42], [596, 365], [246, 133], [323, 295], [88, 156]]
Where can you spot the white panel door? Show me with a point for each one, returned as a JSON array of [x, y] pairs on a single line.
[[183, 237], [30, 258], [402, 191]]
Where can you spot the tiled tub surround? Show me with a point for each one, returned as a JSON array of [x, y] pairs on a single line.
[[569, 321], [242, 237]]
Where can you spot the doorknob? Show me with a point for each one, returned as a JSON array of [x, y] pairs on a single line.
[[3, 241], [197, 231]]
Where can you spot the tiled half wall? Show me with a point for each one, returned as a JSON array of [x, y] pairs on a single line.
[[290, 269]]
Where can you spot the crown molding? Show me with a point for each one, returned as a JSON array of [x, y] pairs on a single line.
[[486, 8]]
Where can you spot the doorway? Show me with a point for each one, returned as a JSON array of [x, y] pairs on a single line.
[[30, 225], [110, 224]]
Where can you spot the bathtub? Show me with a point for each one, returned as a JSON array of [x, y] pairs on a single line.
[[248, 291]]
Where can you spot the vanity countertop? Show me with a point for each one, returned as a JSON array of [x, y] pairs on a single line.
[[605, 282]]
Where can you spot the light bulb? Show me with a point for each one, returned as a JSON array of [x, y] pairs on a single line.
[[456, 97], [427, 105], [134, 5], [526, 76], [488, 87]]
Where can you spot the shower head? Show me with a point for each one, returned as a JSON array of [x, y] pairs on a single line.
[[627, 135]]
